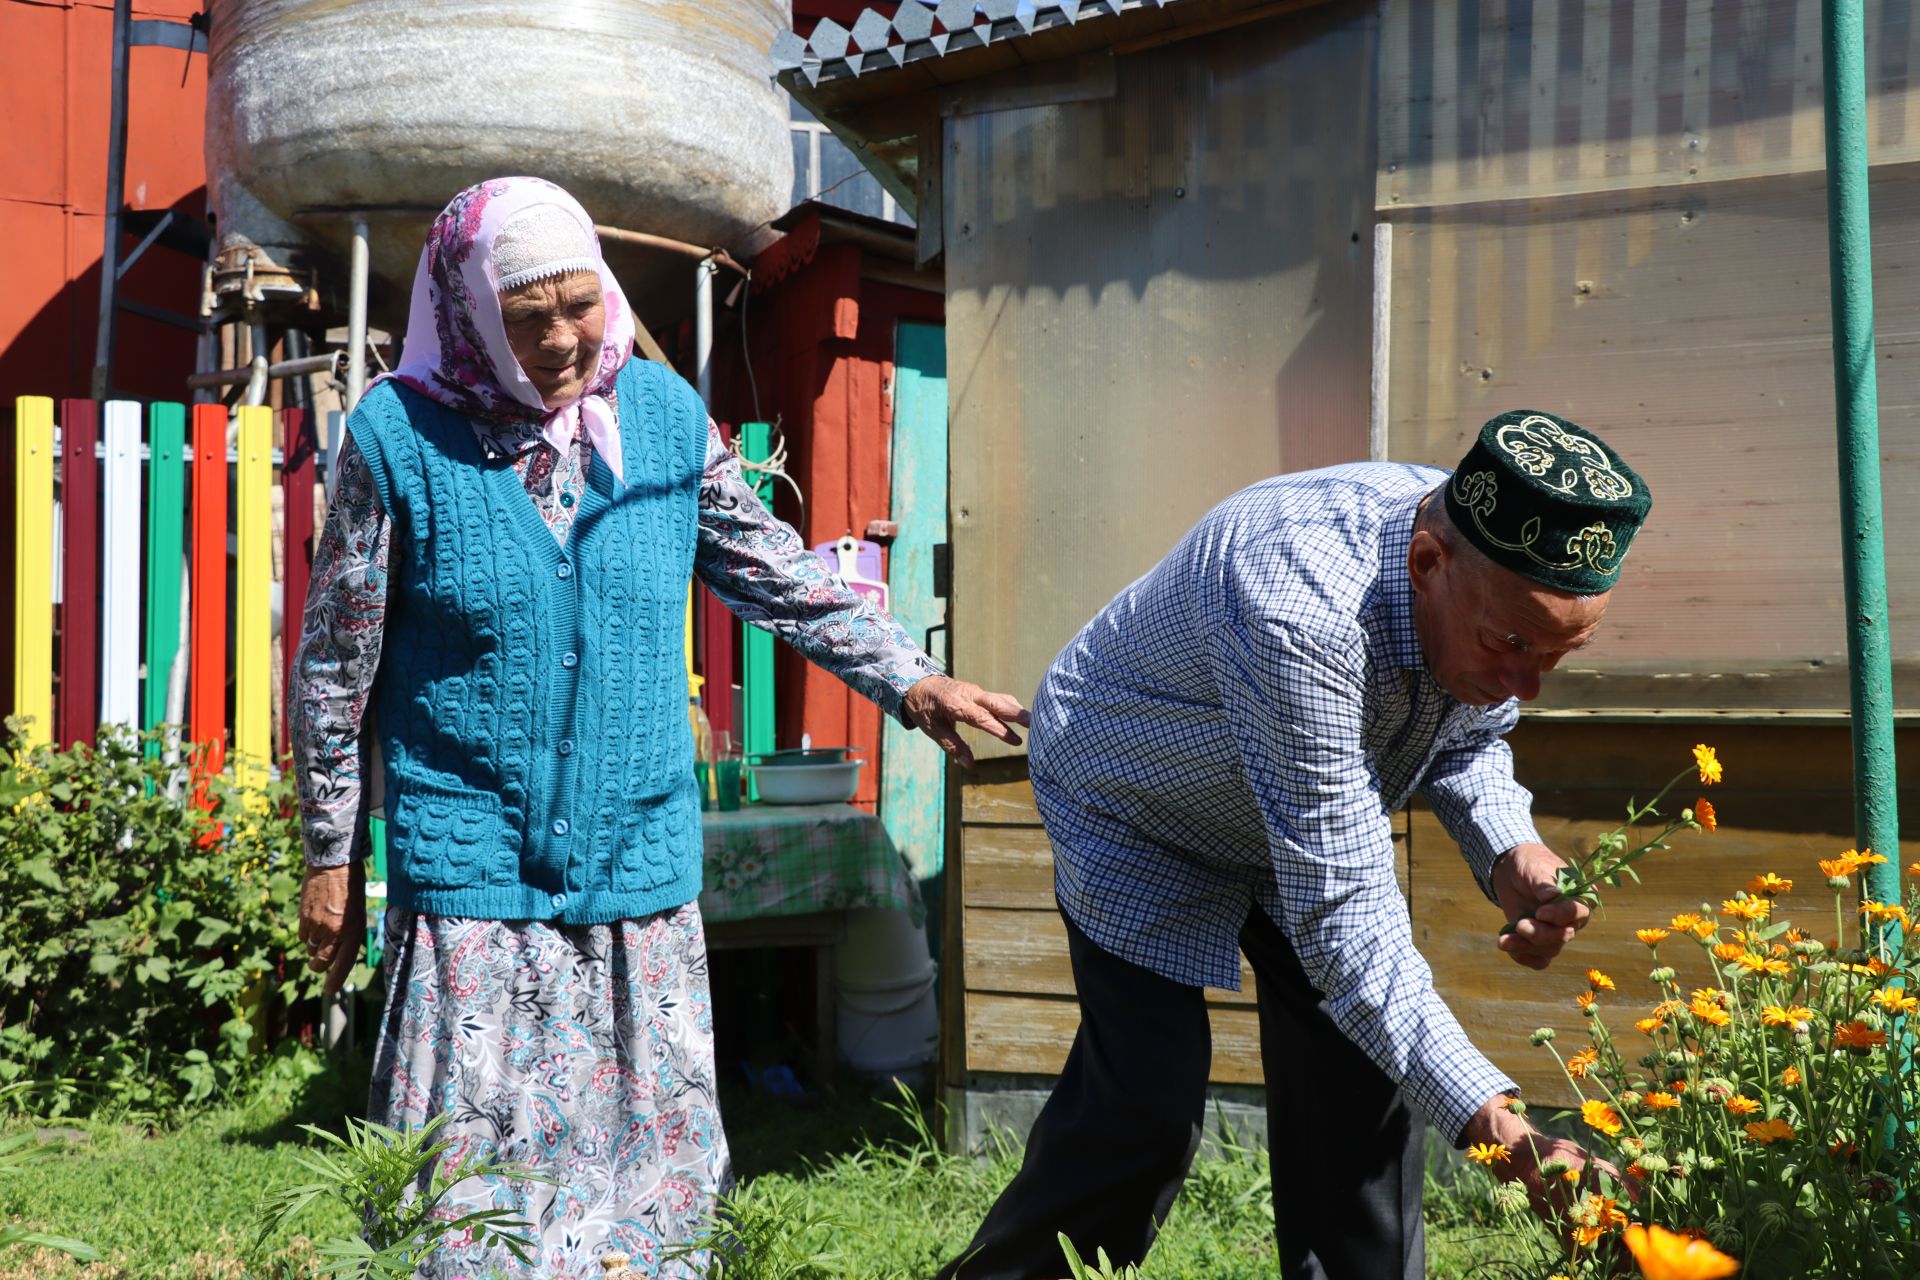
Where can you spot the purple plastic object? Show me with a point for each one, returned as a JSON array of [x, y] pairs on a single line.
[[858, 561]]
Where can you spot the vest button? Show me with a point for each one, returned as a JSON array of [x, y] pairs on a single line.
[[566, 499], [559, 901], [569, 660], [566, 746], [561, 826], [564, 571]]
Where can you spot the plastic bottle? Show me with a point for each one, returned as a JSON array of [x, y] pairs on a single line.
[[702, 740]]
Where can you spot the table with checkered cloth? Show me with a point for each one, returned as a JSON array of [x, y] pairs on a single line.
[[782, 860]]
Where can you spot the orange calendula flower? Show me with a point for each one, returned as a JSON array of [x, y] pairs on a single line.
[[1652, 937], [1768, 1132], [1647, 1026], [1667, 1008], [1582, 1062], [1753, 962], [1488, 1153], [1914, 870], [1844, 865], [1712, 995], [1791, 1076], [1768, 885], [1884, 911], [1741, 1105], [1601, 1117], [1686, 921], [1895, 1001], [1599, 981], [1728, 951], [1867, 858], [1587, 1237], [1708, 763], [1879, 968], [1585, 999], [1704, 930], [1668, 1255], [1746, 908], [1660, 1101], [1794, 1016], [1678, 1086], [1704, 815], [1858, 1036]]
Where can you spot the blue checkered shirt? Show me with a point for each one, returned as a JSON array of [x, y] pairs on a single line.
[[1238, 727]]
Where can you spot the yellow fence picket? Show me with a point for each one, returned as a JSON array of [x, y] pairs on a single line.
[[253, 598], [33, 567]]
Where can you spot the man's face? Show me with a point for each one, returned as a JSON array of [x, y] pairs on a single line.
[[1489, 634], [555, 327]]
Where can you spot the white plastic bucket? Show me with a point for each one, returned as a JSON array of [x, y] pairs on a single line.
[[884, 982]]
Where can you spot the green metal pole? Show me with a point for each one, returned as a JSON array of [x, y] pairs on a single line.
[[1850, 257]]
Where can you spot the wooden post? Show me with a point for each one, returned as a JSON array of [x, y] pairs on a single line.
[[253, 598], [120, 568], [79, 701], [207, 650], [296, 477], [166, 519], [756, 681], [33, 568]]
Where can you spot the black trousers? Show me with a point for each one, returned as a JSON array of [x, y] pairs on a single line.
[[1114, 1142]]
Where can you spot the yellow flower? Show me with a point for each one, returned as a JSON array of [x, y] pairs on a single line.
[[1704, 930], [1712, 995], [1867, 858], [1488, 1153], [1885, 911], [1914, 870], [1708, 763], [1754, 962], [1647, 1026], [1844, 865], [1791, 1076], [1668, 1255], [1768, 885], [1686, 921], [1746, 908], [1652, 937], [1741, 1105], [1704, 815], [1587, 1237], [1858, 1036], [1768, 1132], [1726, 951], [1895, 1001], [1599, 981], [1582, 1062], [1601, 1117], [1585, 999], [1776, 1016], [1661, 1101]]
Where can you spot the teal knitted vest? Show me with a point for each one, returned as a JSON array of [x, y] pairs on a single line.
[[532, 698]]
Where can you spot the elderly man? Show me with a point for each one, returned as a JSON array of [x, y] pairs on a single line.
[[1217, 757]]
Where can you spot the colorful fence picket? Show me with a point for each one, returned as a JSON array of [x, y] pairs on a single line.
[[123, 520]]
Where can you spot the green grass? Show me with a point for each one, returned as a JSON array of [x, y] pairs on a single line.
[[854, 1187]]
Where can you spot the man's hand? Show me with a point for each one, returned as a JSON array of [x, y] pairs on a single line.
[[333, 920], [939, 705], [1523, 884], [1550, 1194]]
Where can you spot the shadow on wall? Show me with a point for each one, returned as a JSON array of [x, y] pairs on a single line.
[[52, 352]]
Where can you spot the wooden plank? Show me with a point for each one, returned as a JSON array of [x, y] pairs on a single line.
[[757, 656], [1025, 952], [166, 518], [298, 451], [1000, 801], [33, 568], [1032, 1034], [719, 660], [79, 701], [253, 595], [207, 648], [120, 567], [1007, 866]]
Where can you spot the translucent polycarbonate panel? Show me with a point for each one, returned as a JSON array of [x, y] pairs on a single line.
[[1497, 99], [1153, 300], [1692, 330]]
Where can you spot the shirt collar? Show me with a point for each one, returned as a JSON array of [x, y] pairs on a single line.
[[506, 439], [1393, 611]]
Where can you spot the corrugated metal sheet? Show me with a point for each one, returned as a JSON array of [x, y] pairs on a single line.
[[1153, 300]]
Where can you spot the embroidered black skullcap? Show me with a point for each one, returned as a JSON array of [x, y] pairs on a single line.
[[1548, 499]]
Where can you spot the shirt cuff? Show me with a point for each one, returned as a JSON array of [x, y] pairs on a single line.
[[327, 845], [1454, 1089], [1484, 841]]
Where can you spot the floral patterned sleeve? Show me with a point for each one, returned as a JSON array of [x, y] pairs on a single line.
[[762, 571], [333, 671]]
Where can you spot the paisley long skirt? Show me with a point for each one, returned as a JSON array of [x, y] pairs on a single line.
[[582, 1051]]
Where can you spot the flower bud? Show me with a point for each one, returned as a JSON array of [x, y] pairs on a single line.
[[1541, 1036], [1654, 1163], [1663, 975], [1553, 1167], [1630, 1099], [1516, 1107], [1591, 1011], [1651, 1060], [1840, 884], [1510, 1197]]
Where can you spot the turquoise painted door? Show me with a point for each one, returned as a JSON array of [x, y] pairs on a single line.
[[913, 781]]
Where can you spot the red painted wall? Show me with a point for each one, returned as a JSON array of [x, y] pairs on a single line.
[[54, 100]]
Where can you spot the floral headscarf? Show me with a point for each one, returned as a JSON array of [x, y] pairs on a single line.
[[456, 350]]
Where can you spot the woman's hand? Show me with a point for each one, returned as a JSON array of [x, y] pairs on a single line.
[[333, 920], [939, 705]]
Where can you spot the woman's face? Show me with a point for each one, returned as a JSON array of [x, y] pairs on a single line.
[[555, 327]]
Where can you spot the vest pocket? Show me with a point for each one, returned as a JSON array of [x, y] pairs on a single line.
[[447, 837], [654, 844]]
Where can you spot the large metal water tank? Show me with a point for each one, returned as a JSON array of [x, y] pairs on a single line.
[[659, 116]]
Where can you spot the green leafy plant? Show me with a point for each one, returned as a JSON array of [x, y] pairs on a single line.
[[146, 941], [17, 1154], [773, 1234], [396, 1182], [1102, 1269]]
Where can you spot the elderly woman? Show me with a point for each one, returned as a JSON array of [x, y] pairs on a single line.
[[498, 600]]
